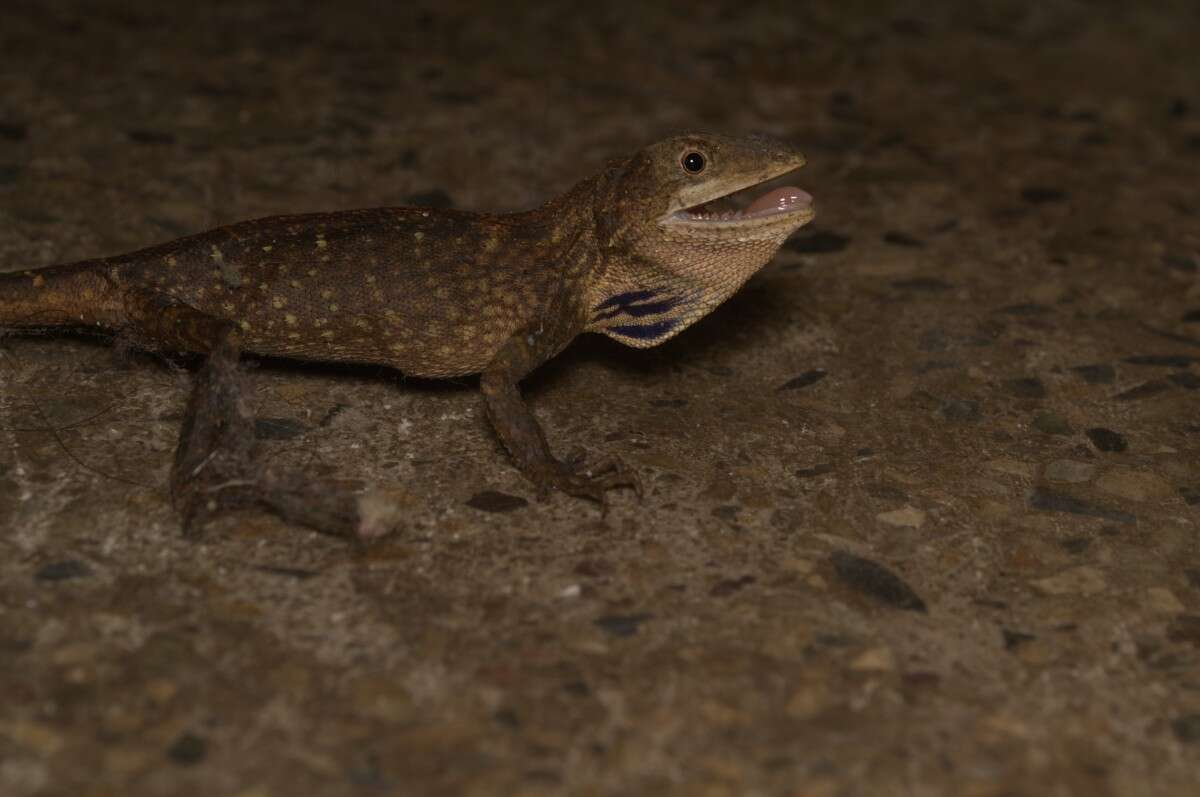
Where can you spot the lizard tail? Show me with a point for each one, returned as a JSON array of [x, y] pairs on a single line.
[[76, 294]]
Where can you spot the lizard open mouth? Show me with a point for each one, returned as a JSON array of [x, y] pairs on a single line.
[[759, 202]]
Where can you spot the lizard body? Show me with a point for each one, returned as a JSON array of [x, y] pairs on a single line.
[[638, 252]]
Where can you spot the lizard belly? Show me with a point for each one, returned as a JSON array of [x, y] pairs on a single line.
[[373, 322], [424, 351]]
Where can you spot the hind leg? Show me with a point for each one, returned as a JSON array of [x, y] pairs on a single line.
[[217, 461], [216, 458]]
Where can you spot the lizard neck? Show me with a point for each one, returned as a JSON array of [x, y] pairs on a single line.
[[567, 248], [631, 296]]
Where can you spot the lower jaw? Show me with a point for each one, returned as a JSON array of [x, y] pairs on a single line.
[[750, 228]]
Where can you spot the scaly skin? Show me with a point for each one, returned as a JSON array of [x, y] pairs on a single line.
[[432, 293]]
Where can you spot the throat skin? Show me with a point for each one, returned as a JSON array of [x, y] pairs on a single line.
[[440, 293]]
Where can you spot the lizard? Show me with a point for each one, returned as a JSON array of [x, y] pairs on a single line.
[[638, 252]]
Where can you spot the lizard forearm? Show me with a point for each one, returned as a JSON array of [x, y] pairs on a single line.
[[512, 419], [522, 435]]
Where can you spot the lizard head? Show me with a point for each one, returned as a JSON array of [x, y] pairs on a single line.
[[685, 222]]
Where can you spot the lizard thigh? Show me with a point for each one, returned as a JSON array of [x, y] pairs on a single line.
[[158, 320]]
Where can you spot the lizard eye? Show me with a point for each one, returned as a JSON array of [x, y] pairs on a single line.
[[693, 163]]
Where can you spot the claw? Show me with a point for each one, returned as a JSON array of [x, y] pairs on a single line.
[[202, 496], [593, 483], [576, 457]]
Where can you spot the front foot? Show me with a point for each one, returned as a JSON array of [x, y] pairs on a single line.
[[575, 477], [519, 430]]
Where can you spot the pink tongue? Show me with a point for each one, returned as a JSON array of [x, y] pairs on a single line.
[[780, 199]]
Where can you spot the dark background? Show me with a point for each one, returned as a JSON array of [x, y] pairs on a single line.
[[923, 498]]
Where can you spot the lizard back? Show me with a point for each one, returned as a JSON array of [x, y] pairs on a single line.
[[430, 292]]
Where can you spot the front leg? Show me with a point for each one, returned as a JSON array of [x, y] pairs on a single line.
[[521, 434]]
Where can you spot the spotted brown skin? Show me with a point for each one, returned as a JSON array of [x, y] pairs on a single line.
[[637, 252]]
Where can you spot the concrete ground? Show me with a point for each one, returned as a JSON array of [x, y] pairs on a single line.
[[923, 498]]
